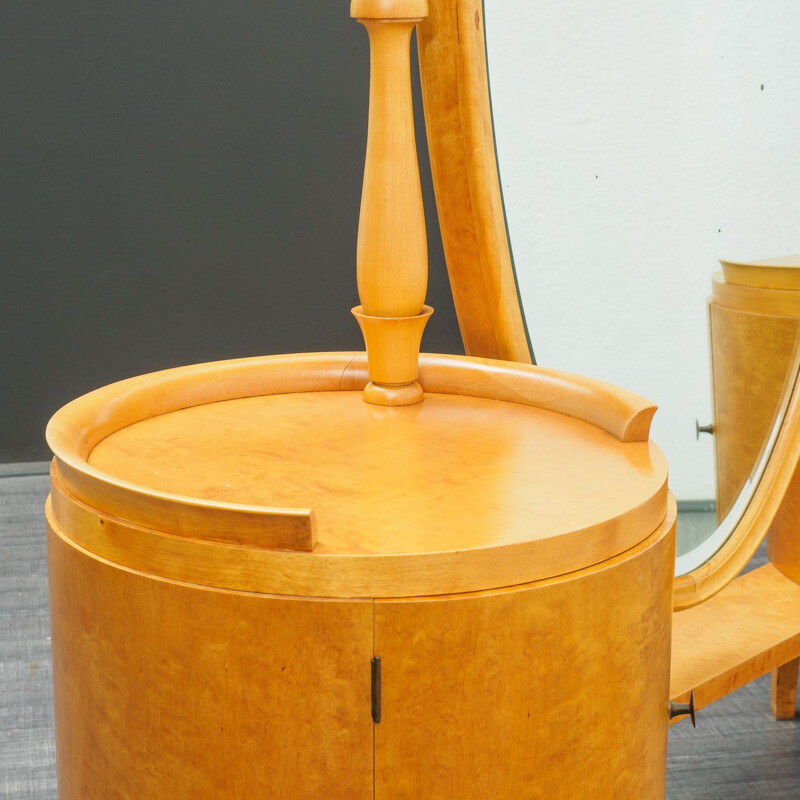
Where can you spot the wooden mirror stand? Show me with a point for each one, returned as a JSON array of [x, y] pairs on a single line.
[[392, 254], [263, 586], [755, 619]]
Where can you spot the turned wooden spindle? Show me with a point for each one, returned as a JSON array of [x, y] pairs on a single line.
[[392, 254]]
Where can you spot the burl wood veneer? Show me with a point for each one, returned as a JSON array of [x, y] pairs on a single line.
[[345, 576], [498, 546]]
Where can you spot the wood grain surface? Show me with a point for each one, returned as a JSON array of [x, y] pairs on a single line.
[[782, 272], [747, 630], [783, 541], [166, 690], [738, 748], [770, 511], [784, 690], [392, 252], [347, 460], [751, 355], [452, 54], [514, 535], [754, 300], [510, 694], [452, 473]]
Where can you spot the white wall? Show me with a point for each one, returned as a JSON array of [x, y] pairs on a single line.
[[638, 143]]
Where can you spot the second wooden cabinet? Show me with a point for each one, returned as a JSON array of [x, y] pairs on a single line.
[[753, 328]]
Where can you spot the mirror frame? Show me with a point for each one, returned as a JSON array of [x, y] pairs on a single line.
[[458, 119]]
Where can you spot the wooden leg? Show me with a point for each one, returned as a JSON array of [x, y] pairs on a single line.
[[784, 690]]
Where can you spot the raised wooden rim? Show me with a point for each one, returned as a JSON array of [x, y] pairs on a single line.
[[224, 565], [754, 299], [152, 530], [458, 118], [80, 425], [733, 555], [227, 566], [781, 273]]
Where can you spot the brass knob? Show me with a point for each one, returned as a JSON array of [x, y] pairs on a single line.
[[682, 709], [698, 429]]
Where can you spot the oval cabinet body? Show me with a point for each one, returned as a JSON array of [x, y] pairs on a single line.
[[264, 587]]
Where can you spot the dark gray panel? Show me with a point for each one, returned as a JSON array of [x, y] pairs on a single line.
[[181, 183]]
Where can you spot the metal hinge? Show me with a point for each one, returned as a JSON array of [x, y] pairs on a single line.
[[376, 688]]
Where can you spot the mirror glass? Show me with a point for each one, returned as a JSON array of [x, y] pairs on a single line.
[[637, 145]]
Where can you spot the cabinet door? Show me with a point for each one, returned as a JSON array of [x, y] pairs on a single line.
[[555, 690], [169, 690]]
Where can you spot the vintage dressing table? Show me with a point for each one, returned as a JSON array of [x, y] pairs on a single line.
[[729, 630], [357, 575], [340, 575]]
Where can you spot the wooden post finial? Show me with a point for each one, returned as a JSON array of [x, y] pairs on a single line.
[[392, 254]]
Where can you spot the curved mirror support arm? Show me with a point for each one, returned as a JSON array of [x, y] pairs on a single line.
[[458, 119]]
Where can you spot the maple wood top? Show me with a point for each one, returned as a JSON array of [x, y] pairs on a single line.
[[505, 473], [447, 474]]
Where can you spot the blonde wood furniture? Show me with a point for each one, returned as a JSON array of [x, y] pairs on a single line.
[[753, 327], [348, 575], [730, 640], [392, 253], [777, 281], [455, 87], [754, 316], [458, 119], [500, 547], [755, 303]]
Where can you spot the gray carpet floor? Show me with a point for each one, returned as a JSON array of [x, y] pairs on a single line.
[[27, 749], [737, 752]]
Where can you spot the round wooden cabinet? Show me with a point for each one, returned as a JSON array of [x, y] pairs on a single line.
[[754, 318], [264, 587]]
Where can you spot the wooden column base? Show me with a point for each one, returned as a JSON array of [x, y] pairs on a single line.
[[393, 357], [406, 395]]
